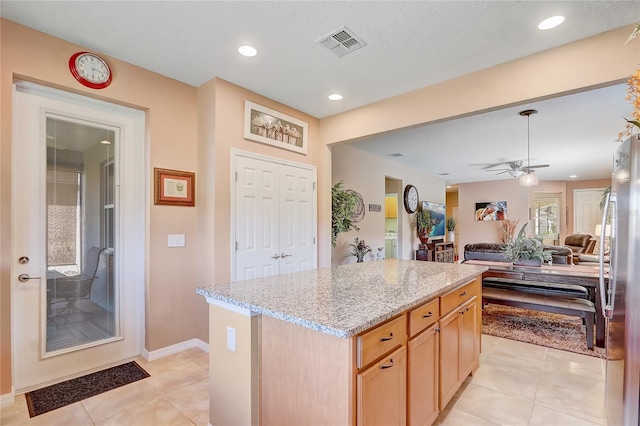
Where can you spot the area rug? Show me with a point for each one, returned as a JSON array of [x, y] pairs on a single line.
[[55, 396], [556, 331]]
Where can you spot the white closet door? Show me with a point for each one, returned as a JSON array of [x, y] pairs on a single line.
[[297, 219], [275, 218], [257, 209]]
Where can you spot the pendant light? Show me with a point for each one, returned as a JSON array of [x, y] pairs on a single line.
[[529, 179]]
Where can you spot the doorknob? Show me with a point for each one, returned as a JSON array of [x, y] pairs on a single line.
[[285, 255], [275, 256], [23, 278]]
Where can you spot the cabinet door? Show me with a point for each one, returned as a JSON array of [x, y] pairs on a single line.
[[468, 338], [382, 390], [449, 356], [423, 378]]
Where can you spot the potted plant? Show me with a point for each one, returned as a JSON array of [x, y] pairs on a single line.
[[524, 250], [423, 225], [359, 249], [451, 228], [343, 206]]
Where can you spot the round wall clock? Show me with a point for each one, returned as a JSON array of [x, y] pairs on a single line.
[[90, 70], [410, 199]]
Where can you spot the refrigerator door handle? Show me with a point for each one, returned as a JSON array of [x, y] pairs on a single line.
[[606, 294]]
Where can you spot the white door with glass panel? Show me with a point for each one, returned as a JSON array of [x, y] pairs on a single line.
[[275, 218], [78, 235]]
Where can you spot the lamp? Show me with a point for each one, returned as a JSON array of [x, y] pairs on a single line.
[[529, 179]]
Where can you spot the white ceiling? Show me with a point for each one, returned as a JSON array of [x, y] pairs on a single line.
[[410, 44]]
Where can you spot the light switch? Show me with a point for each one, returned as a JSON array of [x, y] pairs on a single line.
[[231, 339], [176, 240]]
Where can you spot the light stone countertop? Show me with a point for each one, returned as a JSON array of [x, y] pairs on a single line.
[[345, 300]]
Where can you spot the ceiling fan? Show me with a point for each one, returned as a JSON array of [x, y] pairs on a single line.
[[516, 169]]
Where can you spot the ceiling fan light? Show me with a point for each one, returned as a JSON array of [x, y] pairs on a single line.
[[515, 173], [529, 180]]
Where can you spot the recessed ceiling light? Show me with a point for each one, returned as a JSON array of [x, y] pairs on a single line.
[[573, 176], [552, 22], [443, 174], [105, 142], [247, 51], [397, 154], [335, 97]]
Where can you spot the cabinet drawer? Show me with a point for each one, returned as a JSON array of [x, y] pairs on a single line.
[[460, 295], [423, 316], [380, 340]]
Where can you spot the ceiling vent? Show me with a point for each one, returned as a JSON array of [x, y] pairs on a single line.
[[342, 41]]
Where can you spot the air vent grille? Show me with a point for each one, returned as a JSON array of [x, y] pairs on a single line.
[[342, 41]]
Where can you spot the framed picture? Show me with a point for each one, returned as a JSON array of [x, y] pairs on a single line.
[[437, 218], [174, 188], [494, 210], [265, 125]]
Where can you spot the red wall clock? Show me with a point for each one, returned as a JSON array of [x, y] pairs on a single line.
[[90, 70]]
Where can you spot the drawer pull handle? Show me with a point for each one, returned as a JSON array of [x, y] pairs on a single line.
[[463, 294], [385, 366], [384, 339], [429, 315]]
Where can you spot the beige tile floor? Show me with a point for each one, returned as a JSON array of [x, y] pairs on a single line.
[[516, 384]]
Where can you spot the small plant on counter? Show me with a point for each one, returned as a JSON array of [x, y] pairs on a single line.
[[524, 248], [359, 249], [451, 224]]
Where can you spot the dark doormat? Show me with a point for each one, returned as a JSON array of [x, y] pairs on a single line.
[[43, 400]]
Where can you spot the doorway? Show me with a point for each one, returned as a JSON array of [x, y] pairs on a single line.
[[587, 214], [78, 235], [391, 201]]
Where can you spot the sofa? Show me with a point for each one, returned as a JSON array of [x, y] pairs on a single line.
[[495, 252], [580, 243]]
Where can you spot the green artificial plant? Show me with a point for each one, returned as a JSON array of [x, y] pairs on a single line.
[[523, 247], [343, 206]]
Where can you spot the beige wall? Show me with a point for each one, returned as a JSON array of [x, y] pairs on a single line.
[[365, 173], [174, 313], [223, 103]]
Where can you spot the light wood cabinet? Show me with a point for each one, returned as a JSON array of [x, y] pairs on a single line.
[[459, 342], [422, 377], [390, 207], [381, 391]]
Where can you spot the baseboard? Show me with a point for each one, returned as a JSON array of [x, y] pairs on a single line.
[[8, 398], [174, 349]]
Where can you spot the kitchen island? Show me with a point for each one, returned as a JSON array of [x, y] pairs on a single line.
[[388, 340]]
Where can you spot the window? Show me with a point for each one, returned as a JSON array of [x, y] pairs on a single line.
[[546, 217], [107, 204]]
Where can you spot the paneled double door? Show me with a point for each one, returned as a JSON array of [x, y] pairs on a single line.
[[275, 217]]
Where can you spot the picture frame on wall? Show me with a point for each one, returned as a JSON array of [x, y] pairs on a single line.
[[493, 210], [262, 124], [174, 187]]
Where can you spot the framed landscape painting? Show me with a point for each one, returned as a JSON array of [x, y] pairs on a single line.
[[265, 125]]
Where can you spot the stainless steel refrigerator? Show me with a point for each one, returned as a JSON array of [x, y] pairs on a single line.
[[621, 294]]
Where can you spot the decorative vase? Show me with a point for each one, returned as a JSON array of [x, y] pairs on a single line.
[[451, 236], [360, 257]]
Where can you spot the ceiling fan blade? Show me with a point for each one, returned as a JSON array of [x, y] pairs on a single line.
[[538, 166], [499, 173], [498, 170]]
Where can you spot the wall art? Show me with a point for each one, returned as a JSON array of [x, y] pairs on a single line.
[[265, 125], [494, 210], [174, 188]]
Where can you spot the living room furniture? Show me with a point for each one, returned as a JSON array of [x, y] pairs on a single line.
[[580, 243], [437, 252], [520, 298], [495, 252], [74, 287], [553, 275]]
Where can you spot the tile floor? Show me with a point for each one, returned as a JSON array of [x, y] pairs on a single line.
[[516, 384]]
